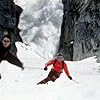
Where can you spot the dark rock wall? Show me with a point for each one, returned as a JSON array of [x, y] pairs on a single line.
[[9, 19], [81, 24]]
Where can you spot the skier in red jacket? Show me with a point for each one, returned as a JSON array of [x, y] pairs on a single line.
[[58, 66]]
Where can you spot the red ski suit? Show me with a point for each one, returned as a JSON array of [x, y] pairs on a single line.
[[58, 66]]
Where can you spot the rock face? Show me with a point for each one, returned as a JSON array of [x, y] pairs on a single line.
[[80, 37], [9, 19]]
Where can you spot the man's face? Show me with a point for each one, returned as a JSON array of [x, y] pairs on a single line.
[[6, 42]]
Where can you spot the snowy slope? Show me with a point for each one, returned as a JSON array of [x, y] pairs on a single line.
[[43, 35], [21, 85]]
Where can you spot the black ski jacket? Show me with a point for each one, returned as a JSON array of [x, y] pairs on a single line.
[[5, 54]]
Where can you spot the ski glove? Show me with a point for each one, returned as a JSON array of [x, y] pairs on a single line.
[[22, 68], [45, 68], [70, 77]]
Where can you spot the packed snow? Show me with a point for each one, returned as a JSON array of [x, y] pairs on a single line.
[[22, 85]]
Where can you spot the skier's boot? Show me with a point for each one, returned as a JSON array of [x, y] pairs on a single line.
[[44, 81]]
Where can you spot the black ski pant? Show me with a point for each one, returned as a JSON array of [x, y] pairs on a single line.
[[52, 76]]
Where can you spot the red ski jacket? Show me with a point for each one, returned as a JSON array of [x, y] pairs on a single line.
[[58, 66]]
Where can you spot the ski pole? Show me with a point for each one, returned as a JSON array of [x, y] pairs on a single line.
[[75, 81], [33, 68]]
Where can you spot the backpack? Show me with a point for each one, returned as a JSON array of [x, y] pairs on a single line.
[[62, 63]]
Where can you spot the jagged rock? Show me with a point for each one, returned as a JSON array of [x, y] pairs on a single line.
[[7, 14], [9, 19], [81, 23]]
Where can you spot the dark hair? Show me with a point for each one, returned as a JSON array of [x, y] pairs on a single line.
[[8, 36]]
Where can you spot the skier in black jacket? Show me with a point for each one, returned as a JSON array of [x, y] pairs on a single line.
[[5, 54]]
